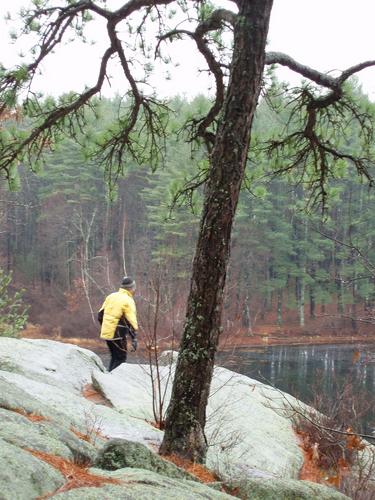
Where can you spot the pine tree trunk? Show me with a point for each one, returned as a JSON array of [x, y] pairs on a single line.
[[312, 303], [186, 416]]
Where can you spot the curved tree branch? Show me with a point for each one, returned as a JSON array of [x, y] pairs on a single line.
[[316, 76], [40, 136], [135, 5], [355, 69], [214, 22], [55, 21], [55, 29], [312, 74], [58, 20], [309, 143]]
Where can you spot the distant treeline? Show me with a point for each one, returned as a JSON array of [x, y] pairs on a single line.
[[69, 240]]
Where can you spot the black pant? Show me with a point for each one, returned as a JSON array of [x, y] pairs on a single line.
[[119, 350]]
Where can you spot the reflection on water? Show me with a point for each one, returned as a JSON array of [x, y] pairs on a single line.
[[301, 370]]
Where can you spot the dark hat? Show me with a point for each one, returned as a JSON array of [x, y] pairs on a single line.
[[128, 283]]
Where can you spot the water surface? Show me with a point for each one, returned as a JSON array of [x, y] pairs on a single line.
[[305, 370]]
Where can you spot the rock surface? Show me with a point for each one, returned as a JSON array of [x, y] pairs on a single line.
[[43, 410], [120, 453], [62, 365], [23, 476], [141, 484], [286, 489], [45, 436], [237, 405]]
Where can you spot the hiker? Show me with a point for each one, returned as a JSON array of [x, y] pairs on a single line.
[[118, 319]]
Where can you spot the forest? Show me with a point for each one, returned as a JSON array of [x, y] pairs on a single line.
[[70, 231]]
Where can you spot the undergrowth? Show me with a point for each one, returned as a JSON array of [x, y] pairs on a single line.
[[333, 439]]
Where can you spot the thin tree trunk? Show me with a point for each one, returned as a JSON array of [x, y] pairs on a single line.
[[267, 297], [9, 239], [123, 243], [186, 416], [280, 307], [301, 300], [85, 234], [246, 317], [312, 302], [340, 298]]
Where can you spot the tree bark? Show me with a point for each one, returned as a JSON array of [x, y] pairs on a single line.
[[186, 416], [312, 302]]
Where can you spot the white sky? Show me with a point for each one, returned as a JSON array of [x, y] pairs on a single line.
[[325, 34]]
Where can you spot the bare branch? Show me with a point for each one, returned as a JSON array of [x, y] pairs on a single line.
[[199, 127], [134, 5], [367, 264], [114, 149], [40, 136], [59, 20], [329, 429], [186, 193], [50, 37]]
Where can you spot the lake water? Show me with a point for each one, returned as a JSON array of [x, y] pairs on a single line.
[[303, 370]]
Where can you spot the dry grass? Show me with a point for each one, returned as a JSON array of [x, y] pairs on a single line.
[[90, 437], [32, 331], [33, 417], [199, 471], [76, 476], [94, 344], [90, 393], [80, 435]]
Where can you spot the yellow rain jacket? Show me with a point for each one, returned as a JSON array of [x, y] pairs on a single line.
[[117, 305]]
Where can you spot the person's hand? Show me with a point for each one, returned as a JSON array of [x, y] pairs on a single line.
[[134, 344]]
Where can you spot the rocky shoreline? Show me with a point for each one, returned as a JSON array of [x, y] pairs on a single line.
[[56, 442]]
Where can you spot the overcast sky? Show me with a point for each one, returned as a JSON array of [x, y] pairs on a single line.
[[325, 34]]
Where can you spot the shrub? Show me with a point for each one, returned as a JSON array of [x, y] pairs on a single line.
[[13, 313], [332, 437]]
